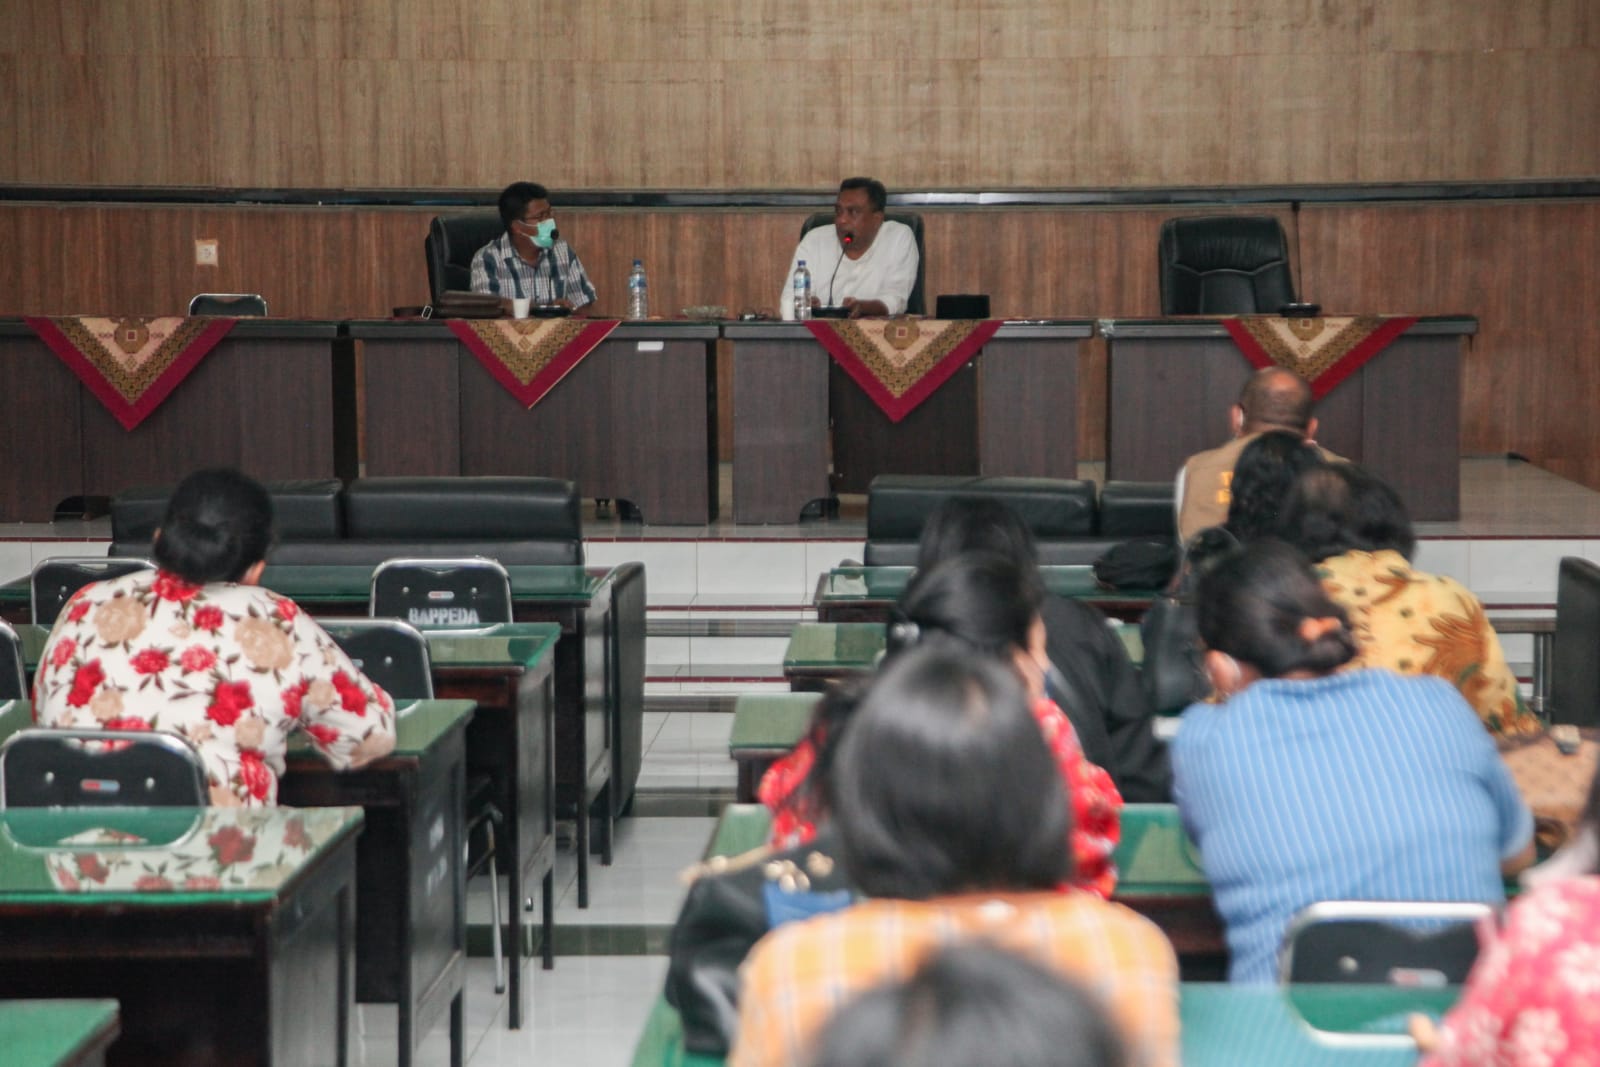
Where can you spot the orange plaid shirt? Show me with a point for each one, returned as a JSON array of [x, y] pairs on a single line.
[[799, 974]]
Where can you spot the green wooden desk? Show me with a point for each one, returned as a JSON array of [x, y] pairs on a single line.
[[57, 1033], [819, 652], [226, 934], [507, 670], [411, 881], [1222, 1026], [865, 594], [765, 727], [599, 667], [1158, 871]]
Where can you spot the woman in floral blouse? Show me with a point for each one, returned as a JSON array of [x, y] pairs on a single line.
[[1355, 529], [198, 648], [1533, 998]]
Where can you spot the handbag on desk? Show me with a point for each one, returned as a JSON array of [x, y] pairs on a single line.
[[723, 917], [1171, 672]]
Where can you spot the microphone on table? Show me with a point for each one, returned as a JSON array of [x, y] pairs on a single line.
[[847, 240]]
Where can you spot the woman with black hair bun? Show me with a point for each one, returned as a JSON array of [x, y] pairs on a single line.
[[1306, 783], [198, 648]]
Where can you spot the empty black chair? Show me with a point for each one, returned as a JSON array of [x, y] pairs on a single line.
[[916, 303], [100, 768], [13, 676], [1224, 265], [392, 653], [1425, 944], [1060, 512], [56, 579], [441, 592], [233, 305], [1575, 652], [448, 248]]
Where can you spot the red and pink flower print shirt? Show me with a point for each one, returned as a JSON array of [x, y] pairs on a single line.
[[234, 668]]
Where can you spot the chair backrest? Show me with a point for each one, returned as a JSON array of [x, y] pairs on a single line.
[[56, 579], [449, 246], [234, 305], [1060, 512], [392, 653], [13, 676], [1575, 655], [1224, 265], [916, 303], [441, 592], [100, 768], [1409, 944], [303, 509]]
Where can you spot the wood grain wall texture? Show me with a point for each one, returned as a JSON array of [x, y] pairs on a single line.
[[1530, 271], [715, 94]]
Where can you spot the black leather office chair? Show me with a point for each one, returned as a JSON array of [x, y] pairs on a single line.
[[56, 579], [80, 769], [1224, 265], [441, 592], [916, 303], [1575, 653], [234, 305], [449, 246]]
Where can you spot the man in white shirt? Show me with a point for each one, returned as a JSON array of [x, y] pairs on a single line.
[[863, 263]]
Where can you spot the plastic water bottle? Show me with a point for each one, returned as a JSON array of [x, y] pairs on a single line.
[[802, 292], [638, 292]]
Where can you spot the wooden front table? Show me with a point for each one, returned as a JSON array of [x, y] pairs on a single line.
[[1171, 383], [263, 400], [226, 934], [1012, 411], [635, 420]]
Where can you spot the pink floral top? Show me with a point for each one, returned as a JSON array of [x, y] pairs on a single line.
[[1533, 998], [234, 668]]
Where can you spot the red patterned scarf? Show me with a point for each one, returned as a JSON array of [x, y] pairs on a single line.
[[529, 356], [131, 364], [900, 362], [1323, 351]]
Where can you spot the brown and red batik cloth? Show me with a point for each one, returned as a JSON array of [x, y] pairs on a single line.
[[900, 362], [529, 356], [131, 364], [1323, 351]]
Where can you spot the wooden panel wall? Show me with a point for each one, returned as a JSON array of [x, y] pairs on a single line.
[[638, 94], [1529, 270]]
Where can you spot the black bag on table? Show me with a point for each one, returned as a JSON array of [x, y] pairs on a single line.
[[723, 917], [1171, 672]]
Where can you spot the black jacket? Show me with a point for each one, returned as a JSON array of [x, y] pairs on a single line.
[[1105, 700]]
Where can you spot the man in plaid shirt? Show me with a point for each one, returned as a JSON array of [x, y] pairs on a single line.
[[530, 259]]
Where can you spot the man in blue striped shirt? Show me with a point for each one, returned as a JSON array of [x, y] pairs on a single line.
[[530, 259], [1307, 785]]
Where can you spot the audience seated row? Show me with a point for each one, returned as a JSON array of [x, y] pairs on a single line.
[[513, 520], [1068, 522]]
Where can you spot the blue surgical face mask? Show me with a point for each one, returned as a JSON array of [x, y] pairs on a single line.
[[544, 235]]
